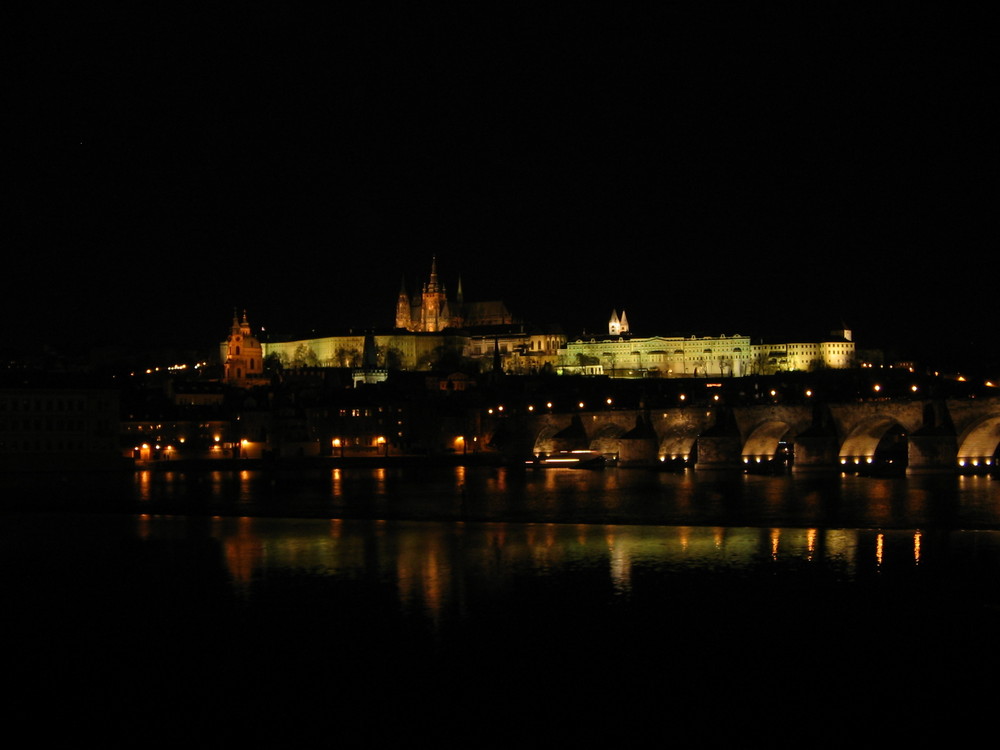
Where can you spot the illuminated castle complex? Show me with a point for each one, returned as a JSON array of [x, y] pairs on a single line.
[[429, 324]]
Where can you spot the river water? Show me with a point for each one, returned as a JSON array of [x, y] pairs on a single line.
[[463, 602]]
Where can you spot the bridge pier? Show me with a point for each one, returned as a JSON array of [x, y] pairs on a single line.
[[719, 452], [816, 453], [931, 454], [639, 446]]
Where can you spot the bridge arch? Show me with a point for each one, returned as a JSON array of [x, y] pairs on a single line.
[[879, 440], [979, 444], [678, 449], [766, 442], [553, 438], [605, 438]]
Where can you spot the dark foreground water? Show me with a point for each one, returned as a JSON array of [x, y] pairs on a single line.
[[490, 607]]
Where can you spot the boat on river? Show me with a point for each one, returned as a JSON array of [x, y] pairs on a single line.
[[580, 459]]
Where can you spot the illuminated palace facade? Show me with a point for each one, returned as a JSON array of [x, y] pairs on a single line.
[[619, 354]]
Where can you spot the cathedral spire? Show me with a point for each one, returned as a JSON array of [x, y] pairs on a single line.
[[432, 284], [403, 307]]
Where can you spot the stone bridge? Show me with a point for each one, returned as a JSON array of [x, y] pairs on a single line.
[[920, 435]]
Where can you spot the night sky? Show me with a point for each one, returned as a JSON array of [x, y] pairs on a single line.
[[719, 170]]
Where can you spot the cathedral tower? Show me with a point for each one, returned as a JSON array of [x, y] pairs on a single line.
[[403, 309], [434, 314]]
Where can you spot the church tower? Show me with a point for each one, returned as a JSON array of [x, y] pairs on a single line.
[[434, 314], [403, 308], [617, 326], [244, 355]]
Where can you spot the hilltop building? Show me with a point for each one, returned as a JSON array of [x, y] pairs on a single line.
[[620, 354], [429, 328]]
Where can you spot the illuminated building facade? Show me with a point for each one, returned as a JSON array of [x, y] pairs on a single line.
[[399, 350], [243, 355], [619, 354]]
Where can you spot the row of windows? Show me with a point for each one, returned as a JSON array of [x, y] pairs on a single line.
[[45, 404], [48, 445], [43, 425]]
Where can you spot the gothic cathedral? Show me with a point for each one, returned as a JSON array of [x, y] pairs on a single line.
[[430, 312]]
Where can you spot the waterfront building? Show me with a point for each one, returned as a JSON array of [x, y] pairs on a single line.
[[46, 425], [169, 437]]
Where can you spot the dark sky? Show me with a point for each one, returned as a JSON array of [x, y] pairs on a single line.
[[716, 170]]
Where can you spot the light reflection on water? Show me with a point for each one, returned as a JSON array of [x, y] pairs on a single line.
[[433, 565], [463, 583], [568, 496]]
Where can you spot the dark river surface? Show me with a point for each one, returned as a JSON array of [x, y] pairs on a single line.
[[494, 606]]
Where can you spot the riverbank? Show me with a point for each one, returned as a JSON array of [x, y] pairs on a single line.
[[324, 462]]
